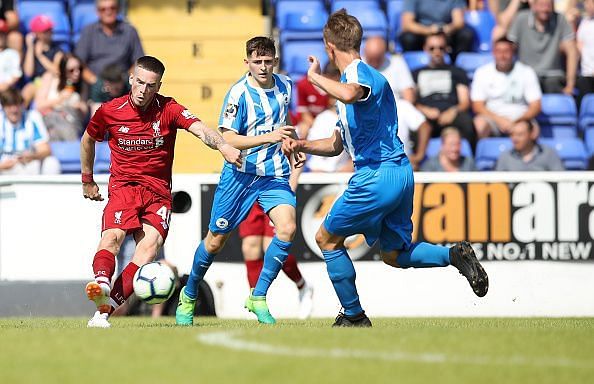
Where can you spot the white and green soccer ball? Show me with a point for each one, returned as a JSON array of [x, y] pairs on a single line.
[[154, 282]]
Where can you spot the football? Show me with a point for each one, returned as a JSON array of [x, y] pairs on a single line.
[[154, 282]]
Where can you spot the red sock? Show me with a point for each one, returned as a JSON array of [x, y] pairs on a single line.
[[254, 267], [122, 287], [104, 266], [291, 269]]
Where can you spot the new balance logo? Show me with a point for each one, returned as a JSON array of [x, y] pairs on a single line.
[[124, 129]]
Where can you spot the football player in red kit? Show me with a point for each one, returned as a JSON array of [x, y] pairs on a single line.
[[140, 128]]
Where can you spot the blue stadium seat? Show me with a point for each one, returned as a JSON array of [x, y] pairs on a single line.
[[354, 5], [68, 153], [434, 146], [82, 14], [294, 56], [284, 7], [572, 151], [394, 11], [587, 112], [55, 10], [102, 157], [488, 151], [303, 26], [482, 22], [418, 59], [470, 61], [373, 21], [558, 117]]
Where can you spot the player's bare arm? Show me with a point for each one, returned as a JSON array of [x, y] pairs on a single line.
[[347, 93], [215, 141], [331, 146], [87, 158], [245, 142]]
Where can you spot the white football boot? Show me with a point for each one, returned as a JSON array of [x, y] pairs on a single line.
[[305, 301]]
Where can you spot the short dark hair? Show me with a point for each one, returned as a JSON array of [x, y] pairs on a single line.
[[262, 45], [11, 97], [504, 39], [437, 34], [152, 64], [344, 31], [113, 73]]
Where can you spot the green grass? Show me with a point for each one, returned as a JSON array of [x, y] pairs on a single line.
[[142, 350]]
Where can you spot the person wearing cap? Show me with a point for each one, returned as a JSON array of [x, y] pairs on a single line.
[[10, 70], [41, 55]]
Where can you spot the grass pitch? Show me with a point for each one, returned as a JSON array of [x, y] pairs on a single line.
[[142, 350]]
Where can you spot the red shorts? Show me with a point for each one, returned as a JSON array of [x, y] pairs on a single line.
[[256, 224], [130, 205]]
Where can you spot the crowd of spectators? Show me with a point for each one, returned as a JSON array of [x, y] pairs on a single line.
[[49, 91]]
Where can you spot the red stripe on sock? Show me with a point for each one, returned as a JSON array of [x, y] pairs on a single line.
[[122, 287], [254, 267], [291, 269], [104, 264]]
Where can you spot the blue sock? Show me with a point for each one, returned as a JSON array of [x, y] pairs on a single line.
[[424, 255], [342, 274], [202, 261], [275, 256]]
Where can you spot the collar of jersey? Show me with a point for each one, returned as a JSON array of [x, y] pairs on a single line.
[[273, 88]]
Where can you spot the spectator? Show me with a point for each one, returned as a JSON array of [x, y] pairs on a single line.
[[108, 41], [11, 18], [442, 91], [24, 147], [411, 120], [10, 70], [311, 100], [323, 126], [112, 83], [505, 11], [60, 102], [422, 18], [449, 158], [393, 67], [504, 92], [542, 35], [527, 154], [585, 44], [41, 55]]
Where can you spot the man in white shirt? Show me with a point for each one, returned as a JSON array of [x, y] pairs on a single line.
[[585, 44], [393, 67], [504, 92], [10, 61]]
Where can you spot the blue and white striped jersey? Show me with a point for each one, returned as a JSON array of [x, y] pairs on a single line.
[[16, 138], [252, 111], [369, 127]]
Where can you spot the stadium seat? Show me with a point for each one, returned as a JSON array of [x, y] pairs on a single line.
[[587, 112], [82, 14], [68, 153], [488, 151], [373, 21], [434, 146], [55, 10], [558, 117], [394, 11], [418, 59], [572, 151], [353, 6], [294, 57], [284, 7], [470, 61], [482, 22], [303, 26], [102, 157]]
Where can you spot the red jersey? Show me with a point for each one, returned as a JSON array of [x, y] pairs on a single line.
[[141, 142], [310, 99]]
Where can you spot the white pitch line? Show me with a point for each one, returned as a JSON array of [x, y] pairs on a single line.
[[232, 340]]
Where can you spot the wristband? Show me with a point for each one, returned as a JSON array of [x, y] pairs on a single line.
[[87, 178]]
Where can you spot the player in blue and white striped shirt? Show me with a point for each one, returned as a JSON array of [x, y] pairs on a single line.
[[24, 147], [378, 202], [254, 119]]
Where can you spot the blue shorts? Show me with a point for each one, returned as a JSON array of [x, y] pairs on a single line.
[[238, 191], [377, 203]]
